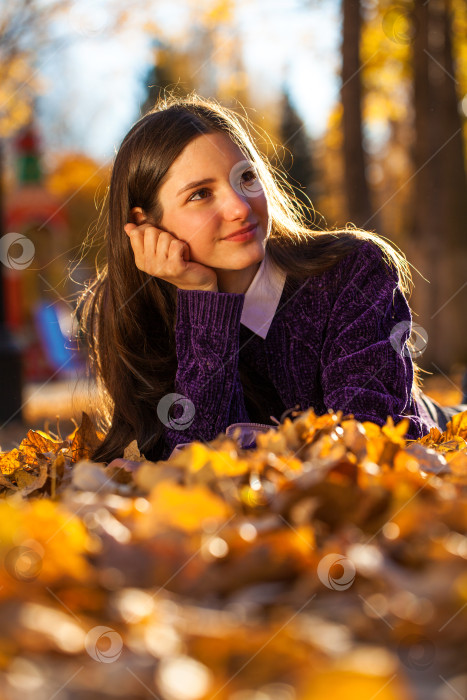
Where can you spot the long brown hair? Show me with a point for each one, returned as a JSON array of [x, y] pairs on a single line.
[[128, 316]]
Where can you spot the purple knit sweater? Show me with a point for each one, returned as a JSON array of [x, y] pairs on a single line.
[[328, 347]]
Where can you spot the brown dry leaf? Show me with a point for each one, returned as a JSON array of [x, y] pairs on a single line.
[[30, 452], [10, 461], [38, 441], [132, 453], [29, 481], [6, 483], [456, 444], [360, 482], [85, 440], [432, 438], [57, 470]]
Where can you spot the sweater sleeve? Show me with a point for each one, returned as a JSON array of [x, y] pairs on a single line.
[[207, 379], [366, 367]]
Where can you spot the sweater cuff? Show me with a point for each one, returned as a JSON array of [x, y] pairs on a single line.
[[216, 310]]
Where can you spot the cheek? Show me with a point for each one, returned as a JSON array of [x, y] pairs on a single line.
[[184, 225], [198, 229]]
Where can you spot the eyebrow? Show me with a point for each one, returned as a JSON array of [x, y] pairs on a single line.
[[196, 183]]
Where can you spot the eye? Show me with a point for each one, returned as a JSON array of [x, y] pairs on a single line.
[[250, 175], [250, 183], [203, 189]]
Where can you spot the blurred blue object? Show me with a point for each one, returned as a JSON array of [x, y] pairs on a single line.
[[57, 345]]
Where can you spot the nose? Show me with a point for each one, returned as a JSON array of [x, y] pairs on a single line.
[[235, 205]]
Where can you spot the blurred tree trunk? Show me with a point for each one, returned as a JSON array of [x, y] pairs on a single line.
[[439, 246], [356, 185], [10, 354], [298, 160]]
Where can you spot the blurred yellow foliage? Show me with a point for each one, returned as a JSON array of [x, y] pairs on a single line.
[[350, 685], [17, 84], [76, 171], [184, 508], [221, 12], [42, 534], [220, 462]]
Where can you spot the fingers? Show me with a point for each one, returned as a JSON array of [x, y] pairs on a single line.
[[151, 247], [178, 251], [136, 236]]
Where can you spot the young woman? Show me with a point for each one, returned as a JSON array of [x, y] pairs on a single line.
[[218, 304]]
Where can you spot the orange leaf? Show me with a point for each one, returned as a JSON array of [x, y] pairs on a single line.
[[34, 446], [457, 426]]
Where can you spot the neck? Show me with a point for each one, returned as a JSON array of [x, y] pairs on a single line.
[[236, 281]]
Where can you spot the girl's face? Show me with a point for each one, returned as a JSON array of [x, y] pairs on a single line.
[[203, 214]]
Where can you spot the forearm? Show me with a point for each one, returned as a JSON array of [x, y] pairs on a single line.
[[207, 343]]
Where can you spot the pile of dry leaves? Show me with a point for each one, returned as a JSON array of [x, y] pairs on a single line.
[[329, 561]]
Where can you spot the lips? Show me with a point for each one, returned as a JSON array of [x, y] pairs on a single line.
[[242, 230]]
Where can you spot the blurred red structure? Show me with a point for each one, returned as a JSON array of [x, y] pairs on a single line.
[[32, 211]]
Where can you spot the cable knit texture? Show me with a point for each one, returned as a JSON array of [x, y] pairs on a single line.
[[331, 345]]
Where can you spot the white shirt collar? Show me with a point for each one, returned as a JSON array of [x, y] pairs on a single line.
[[262, 297]]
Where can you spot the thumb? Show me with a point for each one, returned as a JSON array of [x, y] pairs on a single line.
[[186, 253]]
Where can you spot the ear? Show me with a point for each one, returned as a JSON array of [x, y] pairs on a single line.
[[137, 216]]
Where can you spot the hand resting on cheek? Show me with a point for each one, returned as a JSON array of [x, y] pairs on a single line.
[[162, 255]]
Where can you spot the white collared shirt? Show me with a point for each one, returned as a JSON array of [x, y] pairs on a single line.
[[262, 297]]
